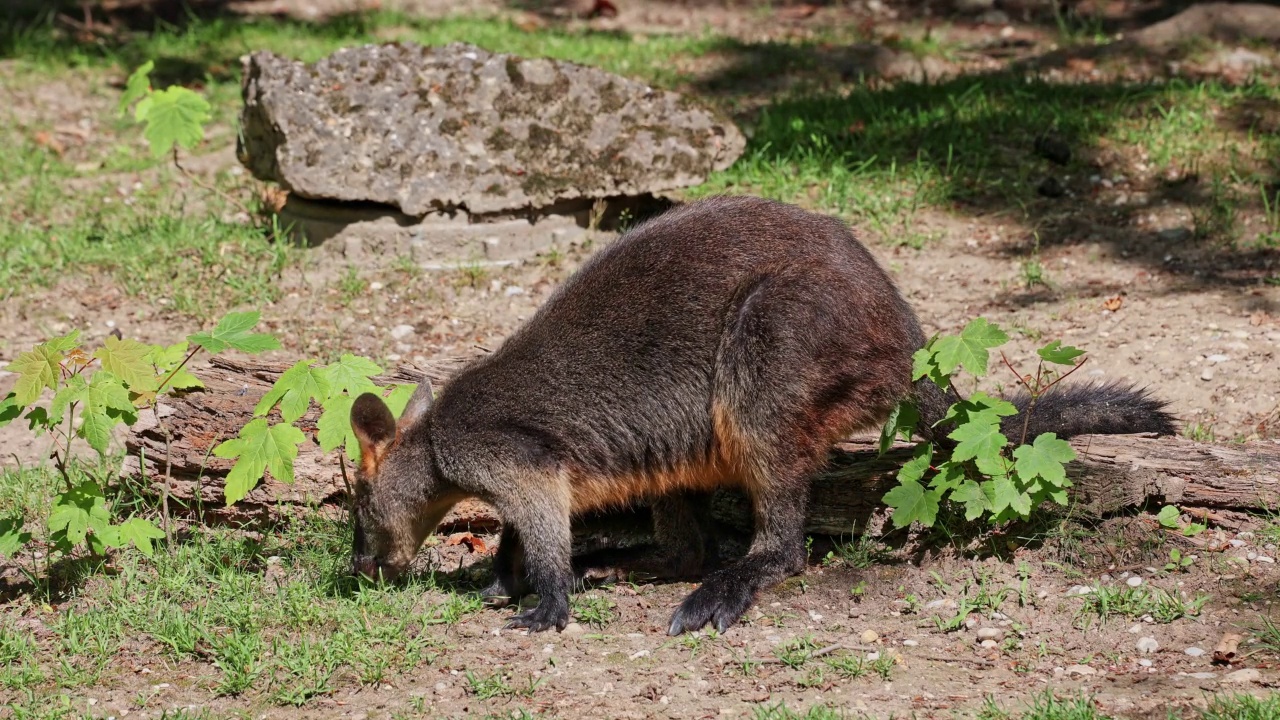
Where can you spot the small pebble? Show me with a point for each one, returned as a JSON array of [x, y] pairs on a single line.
[[873, 656], [1265, 559], [1148, 645], [1206, 374], [1144, 662], [1194, 651], [1135, 629], [1134, 581], [574, 628], [1215, 359], [1081, 670], [1251, 555], [988, 633], [910, 643], [1246, 675], [1236, 542], [375, 285], [1079, 590], [401, 332], [870, 636], [989, 644]]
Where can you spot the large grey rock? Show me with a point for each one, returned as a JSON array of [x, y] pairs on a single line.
[[458, 127]]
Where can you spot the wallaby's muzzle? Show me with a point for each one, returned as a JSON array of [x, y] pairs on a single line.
[[372, 569]]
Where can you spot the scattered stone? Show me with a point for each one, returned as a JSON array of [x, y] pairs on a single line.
[[1135, 629], [873, 656], [869, 636], [513, 290], [944, 603], [1194, 651], [1236, 542], [1265, 559], [1050, 187], [1202, 675], [989, 644], [574, 628], [1148, 645], [1081, 670], [910, 643], [427, 129], [401, 332], [1144, 662], [1246, 675], [1174, 235], [1206, 374], [988, 633], [1251, 555], [1215, 359], [638, 654], [1237, 60], [1078, 590], [375, 285], [1134, 581]]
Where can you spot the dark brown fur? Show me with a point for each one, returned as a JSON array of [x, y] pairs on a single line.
[[729, 342]]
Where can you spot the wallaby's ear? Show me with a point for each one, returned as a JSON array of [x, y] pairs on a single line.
[[418, 405], [375, 429]]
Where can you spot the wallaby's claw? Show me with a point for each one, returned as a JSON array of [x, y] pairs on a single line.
[[542, 617], [721, 604]]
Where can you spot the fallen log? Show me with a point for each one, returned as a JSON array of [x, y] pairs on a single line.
[[1112, 472]]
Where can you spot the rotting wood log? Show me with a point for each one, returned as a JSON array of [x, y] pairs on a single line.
[[1112, 472]]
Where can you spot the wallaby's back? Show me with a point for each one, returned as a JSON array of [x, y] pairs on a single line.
[[617, 372]]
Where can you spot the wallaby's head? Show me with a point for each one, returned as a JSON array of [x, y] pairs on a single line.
[[394, 485]]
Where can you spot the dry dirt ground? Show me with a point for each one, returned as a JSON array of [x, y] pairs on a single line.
[[1192, 323]]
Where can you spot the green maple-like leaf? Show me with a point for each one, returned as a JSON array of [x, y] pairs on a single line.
[[127, 360], [1056, 353], [174, 116], [975, 500], [165, 359], [39, 368], [914, 469], [979, 408], [398, 398], [78, 510], [950, 476], [969, 348], [138, 85], [1045, 458], [981, 442], [140, 532], [911, 502], [104, 403], [351, 375], [9, 409], [294, 390], [258, 448], [1006, 494], [232, 331], [12, 538], [902, 421], [1169, 516], [334, 427], [924, 363]]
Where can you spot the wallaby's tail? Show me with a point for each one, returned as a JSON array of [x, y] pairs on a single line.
[[1108, 408]]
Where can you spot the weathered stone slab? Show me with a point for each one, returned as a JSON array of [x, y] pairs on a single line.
[[457, 127]]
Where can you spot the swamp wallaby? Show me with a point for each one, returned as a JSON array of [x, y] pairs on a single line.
[[728, 342]]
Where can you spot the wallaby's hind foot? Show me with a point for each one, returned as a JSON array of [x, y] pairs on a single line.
[[776, 553]]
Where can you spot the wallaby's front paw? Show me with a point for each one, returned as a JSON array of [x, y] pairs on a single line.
[[542, 617], [719, 603]]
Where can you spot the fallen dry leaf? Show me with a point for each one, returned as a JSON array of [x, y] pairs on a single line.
[[46, 139], [1225, 653], [1113, 304], [473, 543]]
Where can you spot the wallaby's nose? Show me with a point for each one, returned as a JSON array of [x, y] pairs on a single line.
[[365, 566]]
